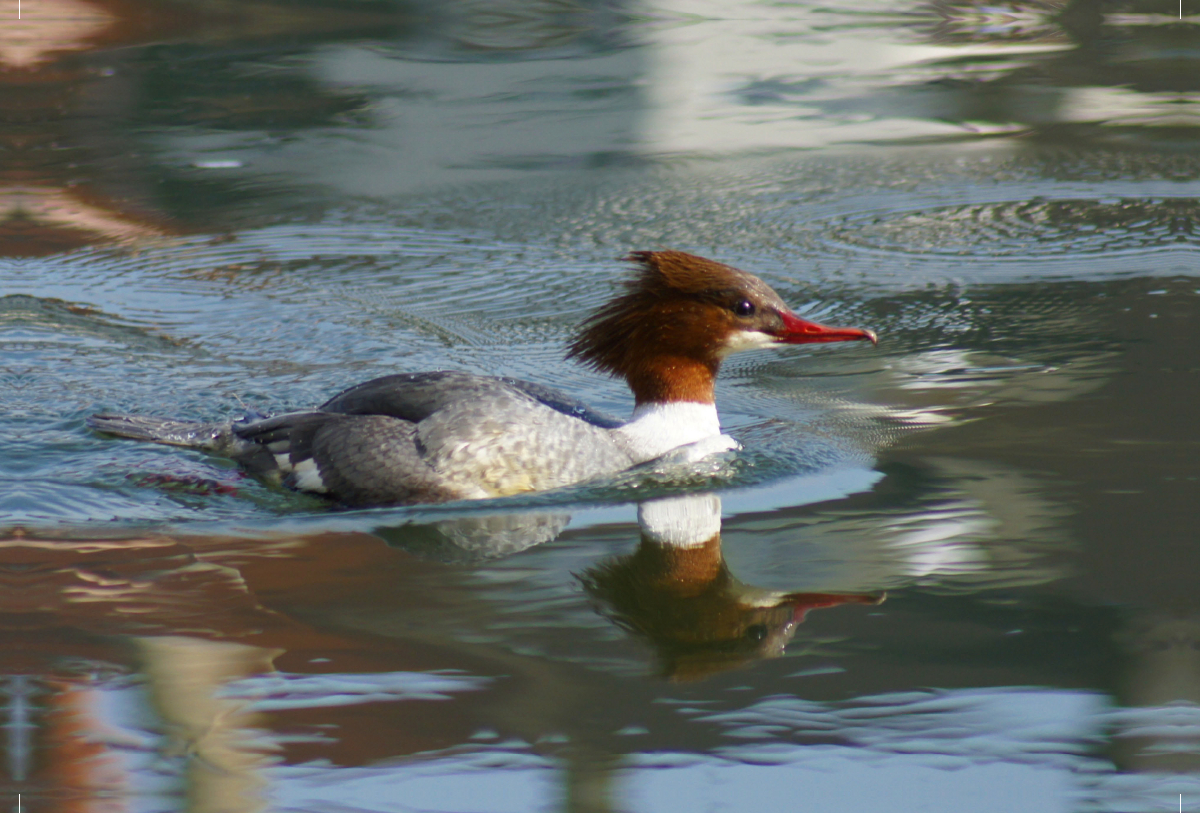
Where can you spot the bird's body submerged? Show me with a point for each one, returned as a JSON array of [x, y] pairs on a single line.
[[434, 437]]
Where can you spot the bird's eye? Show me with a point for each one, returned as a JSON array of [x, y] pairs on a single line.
[[756, 632], [744, 308]]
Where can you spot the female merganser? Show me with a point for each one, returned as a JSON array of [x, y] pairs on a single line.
[[435, 437]]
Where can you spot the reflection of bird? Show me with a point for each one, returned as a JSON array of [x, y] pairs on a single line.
[[432, 437], [676, 590]]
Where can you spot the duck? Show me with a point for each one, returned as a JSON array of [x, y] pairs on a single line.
[[434, 437]]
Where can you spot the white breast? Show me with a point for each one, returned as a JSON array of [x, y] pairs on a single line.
[[656, 429]]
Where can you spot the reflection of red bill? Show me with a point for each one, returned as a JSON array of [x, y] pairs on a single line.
[[803, 602], [184, 483]]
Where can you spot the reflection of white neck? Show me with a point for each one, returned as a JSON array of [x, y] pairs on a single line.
[[681, 521], [657, 428]]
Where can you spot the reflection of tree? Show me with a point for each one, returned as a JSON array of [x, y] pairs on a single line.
[[1124, 68], [81, 81], [676, 591], [187, 678], [89, 623], [80, 766]]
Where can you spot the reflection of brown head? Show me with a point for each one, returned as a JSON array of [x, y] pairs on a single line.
[[700, 619]]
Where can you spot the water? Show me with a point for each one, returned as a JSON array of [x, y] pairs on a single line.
[[213, 208]]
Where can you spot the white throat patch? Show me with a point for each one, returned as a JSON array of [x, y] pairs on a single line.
[[741, 340]]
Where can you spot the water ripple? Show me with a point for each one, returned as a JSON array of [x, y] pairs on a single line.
[[1025, 228]]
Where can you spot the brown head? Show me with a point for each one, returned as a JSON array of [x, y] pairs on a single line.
[[680, 316]]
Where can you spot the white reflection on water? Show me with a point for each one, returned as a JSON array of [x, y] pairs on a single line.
[[706, 78], [468, 783], [938, 543], [978, 750], [837, 780]]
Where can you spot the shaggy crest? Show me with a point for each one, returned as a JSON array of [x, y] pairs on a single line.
[[685, 287]]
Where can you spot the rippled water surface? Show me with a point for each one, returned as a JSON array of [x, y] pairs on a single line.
[[953, 572]]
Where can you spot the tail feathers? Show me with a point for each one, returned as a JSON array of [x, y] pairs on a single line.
[[213, 437]]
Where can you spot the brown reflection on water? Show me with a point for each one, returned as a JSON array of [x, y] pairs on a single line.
[[74, 82], [188, 616]]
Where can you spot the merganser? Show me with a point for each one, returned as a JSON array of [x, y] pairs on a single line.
[[441, 436]]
